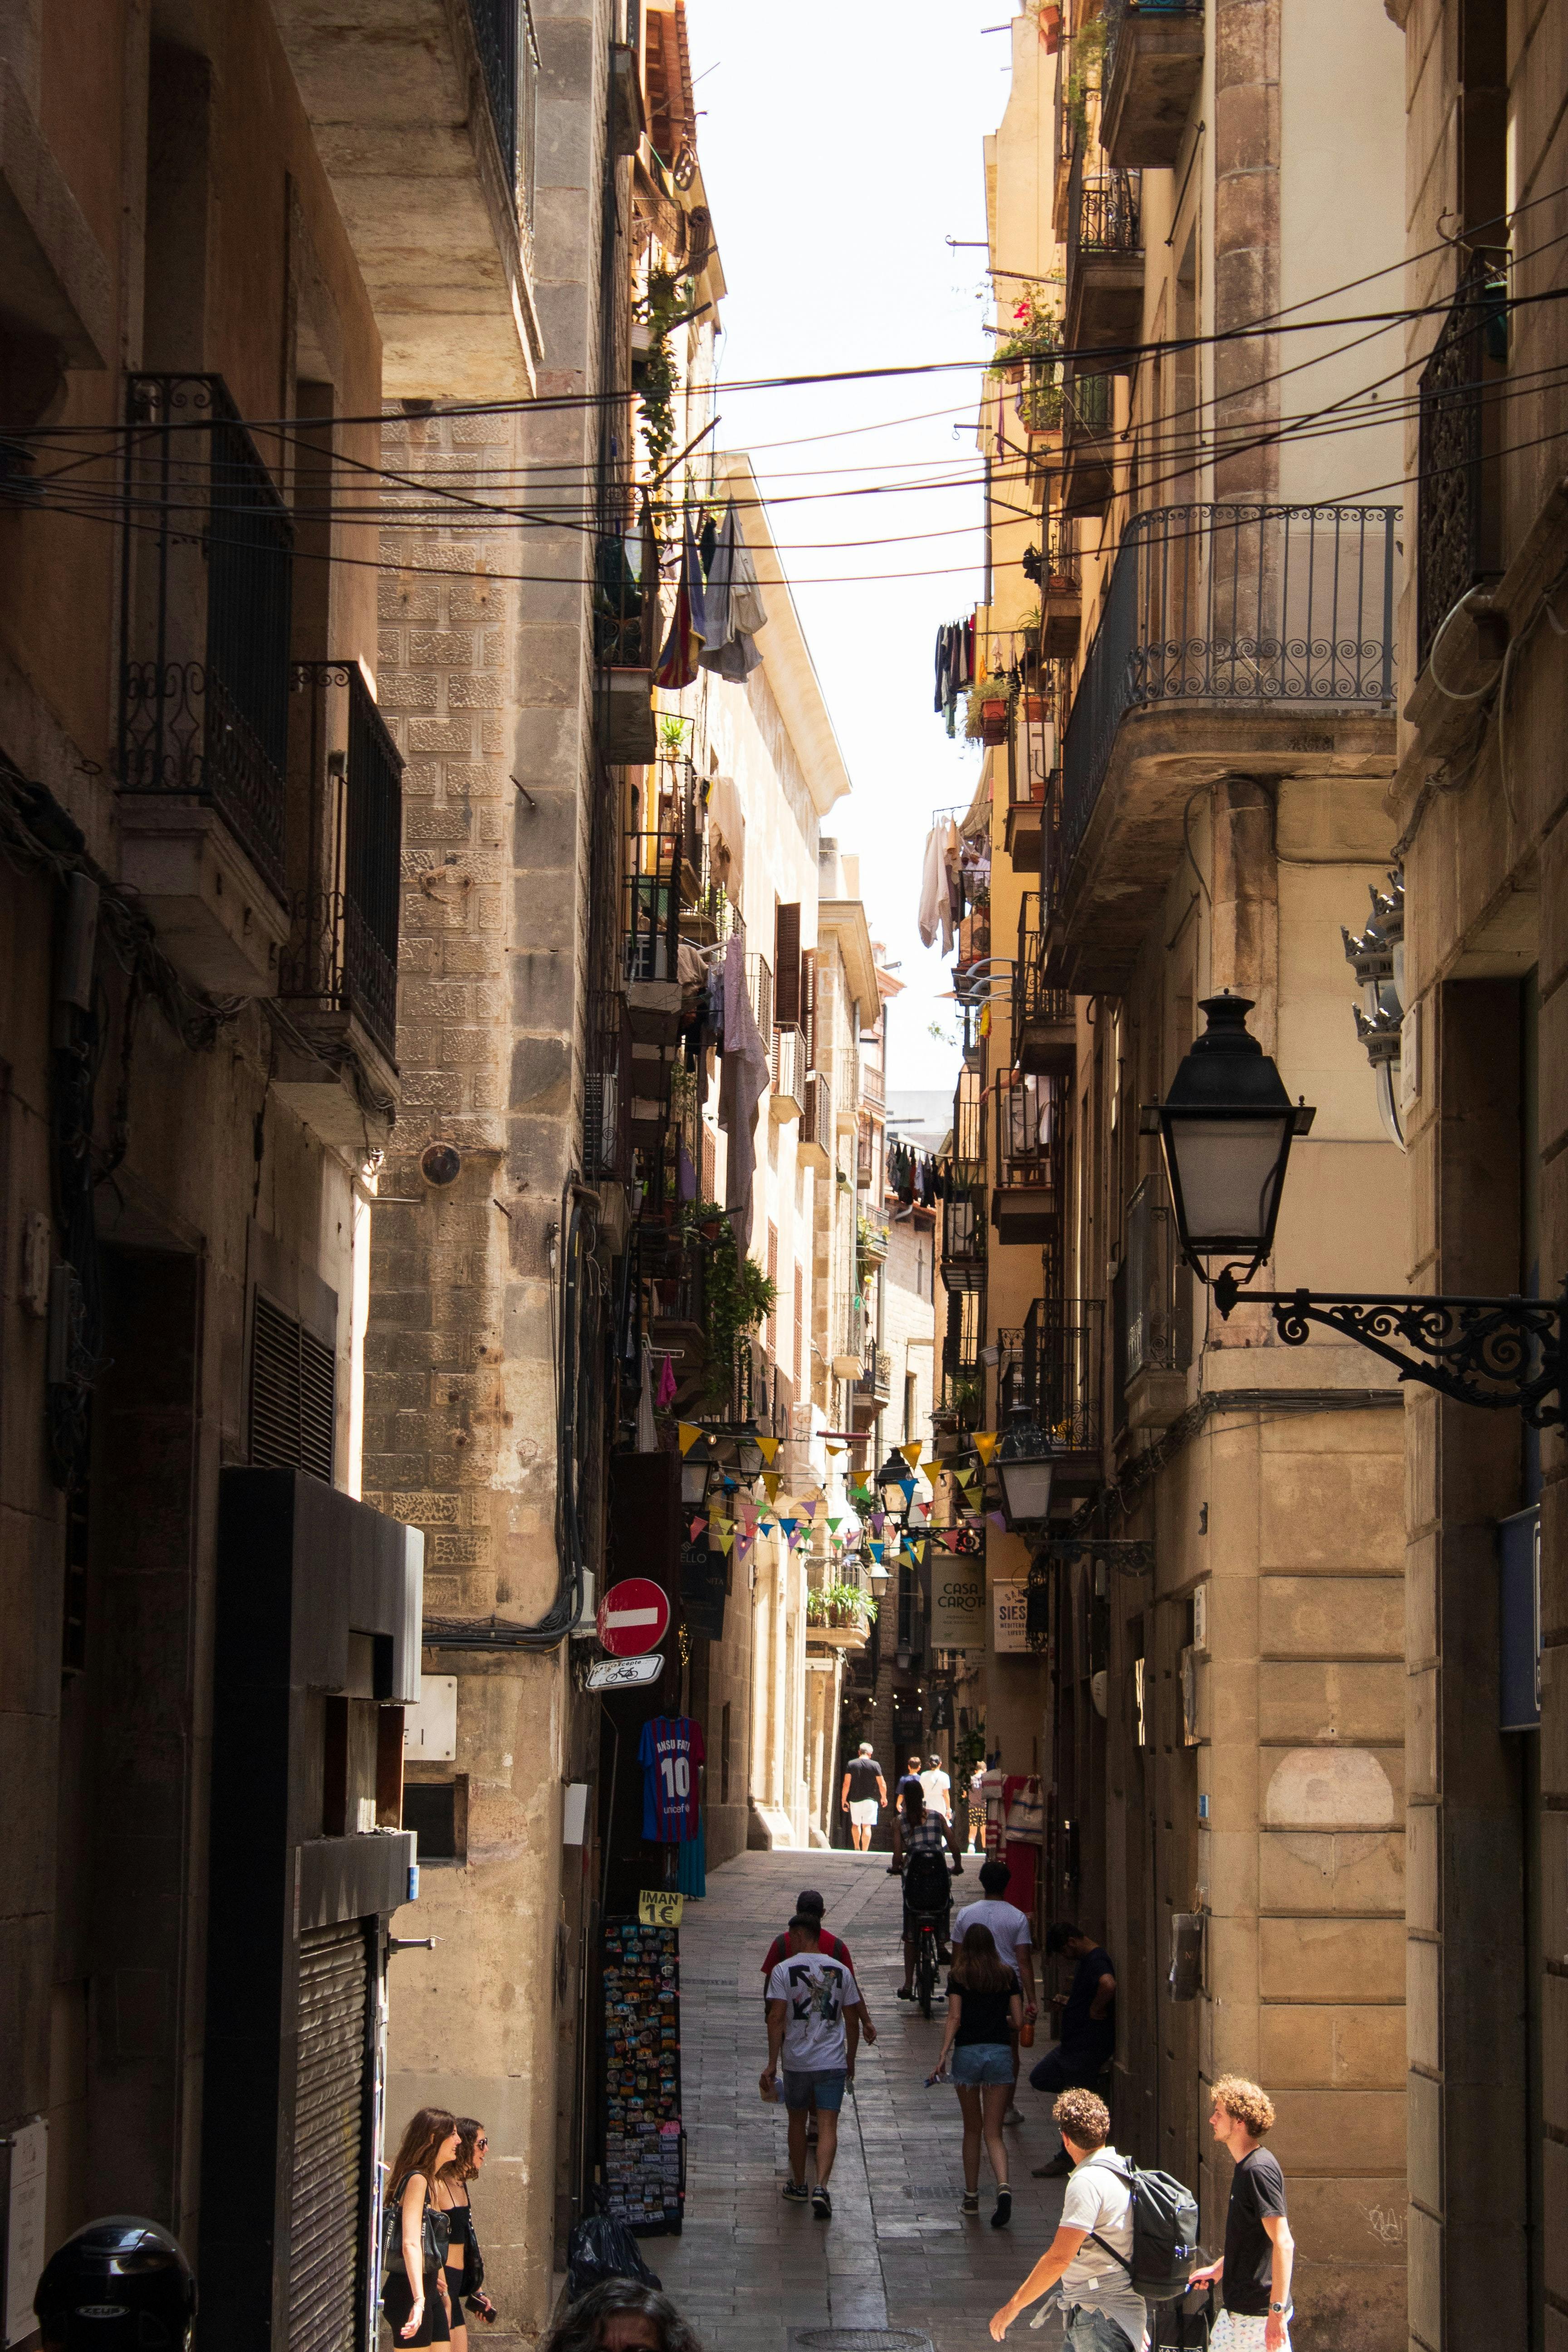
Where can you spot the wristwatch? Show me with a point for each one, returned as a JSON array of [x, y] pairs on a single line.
[[1279, 2307]]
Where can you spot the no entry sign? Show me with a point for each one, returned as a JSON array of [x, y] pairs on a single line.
[[634, 1616]]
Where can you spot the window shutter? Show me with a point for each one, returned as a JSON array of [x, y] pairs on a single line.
[[787, 966], [808, 1005], [293, 1393]]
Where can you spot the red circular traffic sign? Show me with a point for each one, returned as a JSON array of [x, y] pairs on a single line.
[[633, 1616]]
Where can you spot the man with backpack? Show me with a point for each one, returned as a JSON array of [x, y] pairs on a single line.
[[920, 1848], [1124, 2235]]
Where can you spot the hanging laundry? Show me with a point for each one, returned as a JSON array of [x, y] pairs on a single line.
[[648, 1435], [666, 1385], [936, 892], [677, 661], [743, 1083], [734, 608]]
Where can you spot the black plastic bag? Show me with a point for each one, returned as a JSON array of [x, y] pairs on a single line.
[[599, 2248]]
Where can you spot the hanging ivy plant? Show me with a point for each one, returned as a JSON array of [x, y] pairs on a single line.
[[737, 1298], [665, 306]]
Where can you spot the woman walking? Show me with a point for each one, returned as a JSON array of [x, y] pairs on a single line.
[[415, 2297], [984, 2010], [465, 2263]]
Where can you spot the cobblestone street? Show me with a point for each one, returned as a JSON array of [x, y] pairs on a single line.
[[752, 2270]]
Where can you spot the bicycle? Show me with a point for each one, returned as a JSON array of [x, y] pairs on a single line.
[[927, 1927]]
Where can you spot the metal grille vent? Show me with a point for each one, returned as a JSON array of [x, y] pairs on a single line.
[[292, 1394], [328, 2234]]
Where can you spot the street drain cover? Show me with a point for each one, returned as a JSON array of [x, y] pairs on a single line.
[[859, 2340]]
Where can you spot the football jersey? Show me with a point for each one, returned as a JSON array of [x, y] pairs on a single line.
[[669, 1752]]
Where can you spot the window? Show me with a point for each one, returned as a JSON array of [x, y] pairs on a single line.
[[911, 1405], [437, 1813]]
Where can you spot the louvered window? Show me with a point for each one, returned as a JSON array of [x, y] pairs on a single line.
[[292, 1383]]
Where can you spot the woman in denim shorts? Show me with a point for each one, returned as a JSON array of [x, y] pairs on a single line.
[[984, 2010]]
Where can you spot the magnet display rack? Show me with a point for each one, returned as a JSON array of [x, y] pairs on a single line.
[[644, 2165]]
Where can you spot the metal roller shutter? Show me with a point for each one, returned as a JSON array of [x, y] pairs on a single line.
[[327, 2220]]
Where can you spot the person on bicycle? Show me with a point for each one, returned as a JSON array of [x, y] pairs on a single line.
[[921, 1845]]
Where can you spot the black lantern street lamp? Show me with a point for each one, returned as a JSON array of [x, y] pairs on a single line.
[[748, 1452], [893, 1477], [1226, 1127], [1026, 1465], [696, 1467]]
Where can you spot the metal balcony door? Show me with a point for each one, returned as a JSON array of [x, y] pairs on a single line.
[[332, 2177]]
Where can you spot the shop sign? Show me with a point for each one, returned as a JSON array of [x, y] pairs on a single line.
[[624, 1673], [658, 1910], [1010, 1618], [957, 1601]]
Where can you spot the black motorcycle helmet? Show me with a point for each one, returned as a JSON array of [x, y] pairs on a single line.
[[121, 2285]]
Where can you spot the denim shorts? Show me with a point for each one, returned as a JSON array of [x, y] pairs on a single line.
[[799, 2090], [982, 2062]]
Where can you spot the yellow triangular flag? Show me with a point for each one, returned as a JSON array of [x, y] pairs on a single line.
[[986, 1442], [767, 1447], [688, 1433], [836, 1449], [727, 1539], [911, 1452], [772, 1480]]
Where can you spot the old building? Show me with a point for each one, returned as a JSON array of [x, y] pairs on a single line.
[[208, 1637], [1188, 751]]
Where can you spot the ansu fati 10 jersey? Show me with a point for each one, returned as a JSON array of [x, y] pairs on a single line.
[[669, 1752]]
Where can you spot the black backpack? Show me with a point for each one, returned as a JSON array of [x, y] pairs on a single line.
[[600, 2248], [926, 1886], [1164, 2233]]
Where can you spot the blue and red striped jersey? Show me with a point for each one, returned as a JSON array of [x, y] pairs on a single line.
[[669, 1752]]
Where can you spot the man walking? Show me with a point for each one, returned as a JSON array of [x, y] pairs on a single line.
[[813, 2024], [1015, 1948], [863, 1796], [1088, 2030], [938, 1790], [1091, 2253], [1260, 2252]]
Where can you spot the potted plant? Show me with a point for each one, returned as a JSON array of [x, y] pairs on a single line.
[[990, 710]]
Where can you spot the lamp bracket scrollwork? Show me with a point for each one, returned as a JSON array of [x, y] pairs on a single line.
[[1501, 1353]]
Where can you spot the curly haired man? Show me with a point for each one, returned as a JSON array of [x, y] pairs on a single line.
[[1255, 2271], [1091, 2253]]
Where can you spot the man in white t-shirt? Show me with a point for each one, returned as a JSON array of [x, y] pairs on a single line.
[[1010, 1933], [815, 2019], [1102, 2313]]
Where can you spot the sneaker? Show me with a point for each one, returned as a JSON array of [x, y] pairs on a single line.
[[795, 2193], [822, 2204], [1004, 2213], [906, 1992], [1014, 2116], [1058, 2169], [970, 2202]]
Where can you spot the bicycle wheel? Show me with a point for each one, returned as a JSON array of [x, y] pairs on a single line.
[[925, 1970]]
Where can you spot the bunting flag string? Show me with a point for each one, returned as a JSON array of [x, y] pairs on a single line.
[[767, 1447], [688, 1433], [911, 1452], [986, 1443], [772, 1481]]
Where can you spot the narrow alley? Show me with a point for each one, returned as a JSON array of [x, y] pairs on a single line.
[[897, 2255]]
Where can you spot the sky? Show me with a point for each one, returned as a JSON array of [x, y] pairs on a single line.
[[841, 144]]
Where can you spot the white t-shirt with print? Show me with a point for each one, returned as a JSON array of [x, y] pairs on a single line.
[[1099, 2199], [1009, 1928], [818, 1992], [937, 1793]]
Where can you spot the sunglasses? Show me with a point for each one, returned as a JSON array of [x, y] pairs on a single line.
[[480, 2144]]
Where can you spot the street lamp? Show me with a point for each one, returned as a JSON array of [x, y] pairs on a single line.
[[1226, 1129], [696, 1469], [1026, 1465], [892, 1479], [748, 1452]]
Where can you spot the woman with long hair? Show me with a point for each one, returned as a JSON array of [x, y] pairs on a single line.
[[415, 2297], [984, 2010], [620, 2314], [465, 2263]]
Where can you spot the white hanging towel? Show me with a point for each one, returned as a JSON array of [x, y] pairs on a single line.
[[734, 610], [936, 895]]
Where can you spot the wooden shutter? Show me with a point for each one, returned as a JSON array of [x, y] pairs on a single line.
[[802, 1368], [787, 966], [293, 1393], [331, 2186], [773, 1277], [808, 1005]]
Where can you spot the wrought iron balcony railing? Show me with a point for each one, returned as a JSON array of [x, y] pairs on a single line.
[[963, 1237], [1025, 1134], [508, 64], [968, 1121], [1234, 605], [1457, 520], [207, 576], [342, 956], [650, 927], [1108, 217], [1033, 1000], [1055, 1365]]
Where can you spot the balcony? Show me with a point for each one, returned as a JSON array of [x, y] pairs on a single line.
[[1233, 636], [1032, 755], [1154, 64], [650, 928], [1461, 507], [339, 972], [1045, 1030], [963, 1373], [790, 1084], [1055, 1365], [1105, 260], [1025, 1159], [875, 1385], [424, 110], [203, 751], [1061, 598], [1089, 448], [626, 625], [963, 1237], [606, 1135], [1155, 1342], [815, 1134], [969, 1121]]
